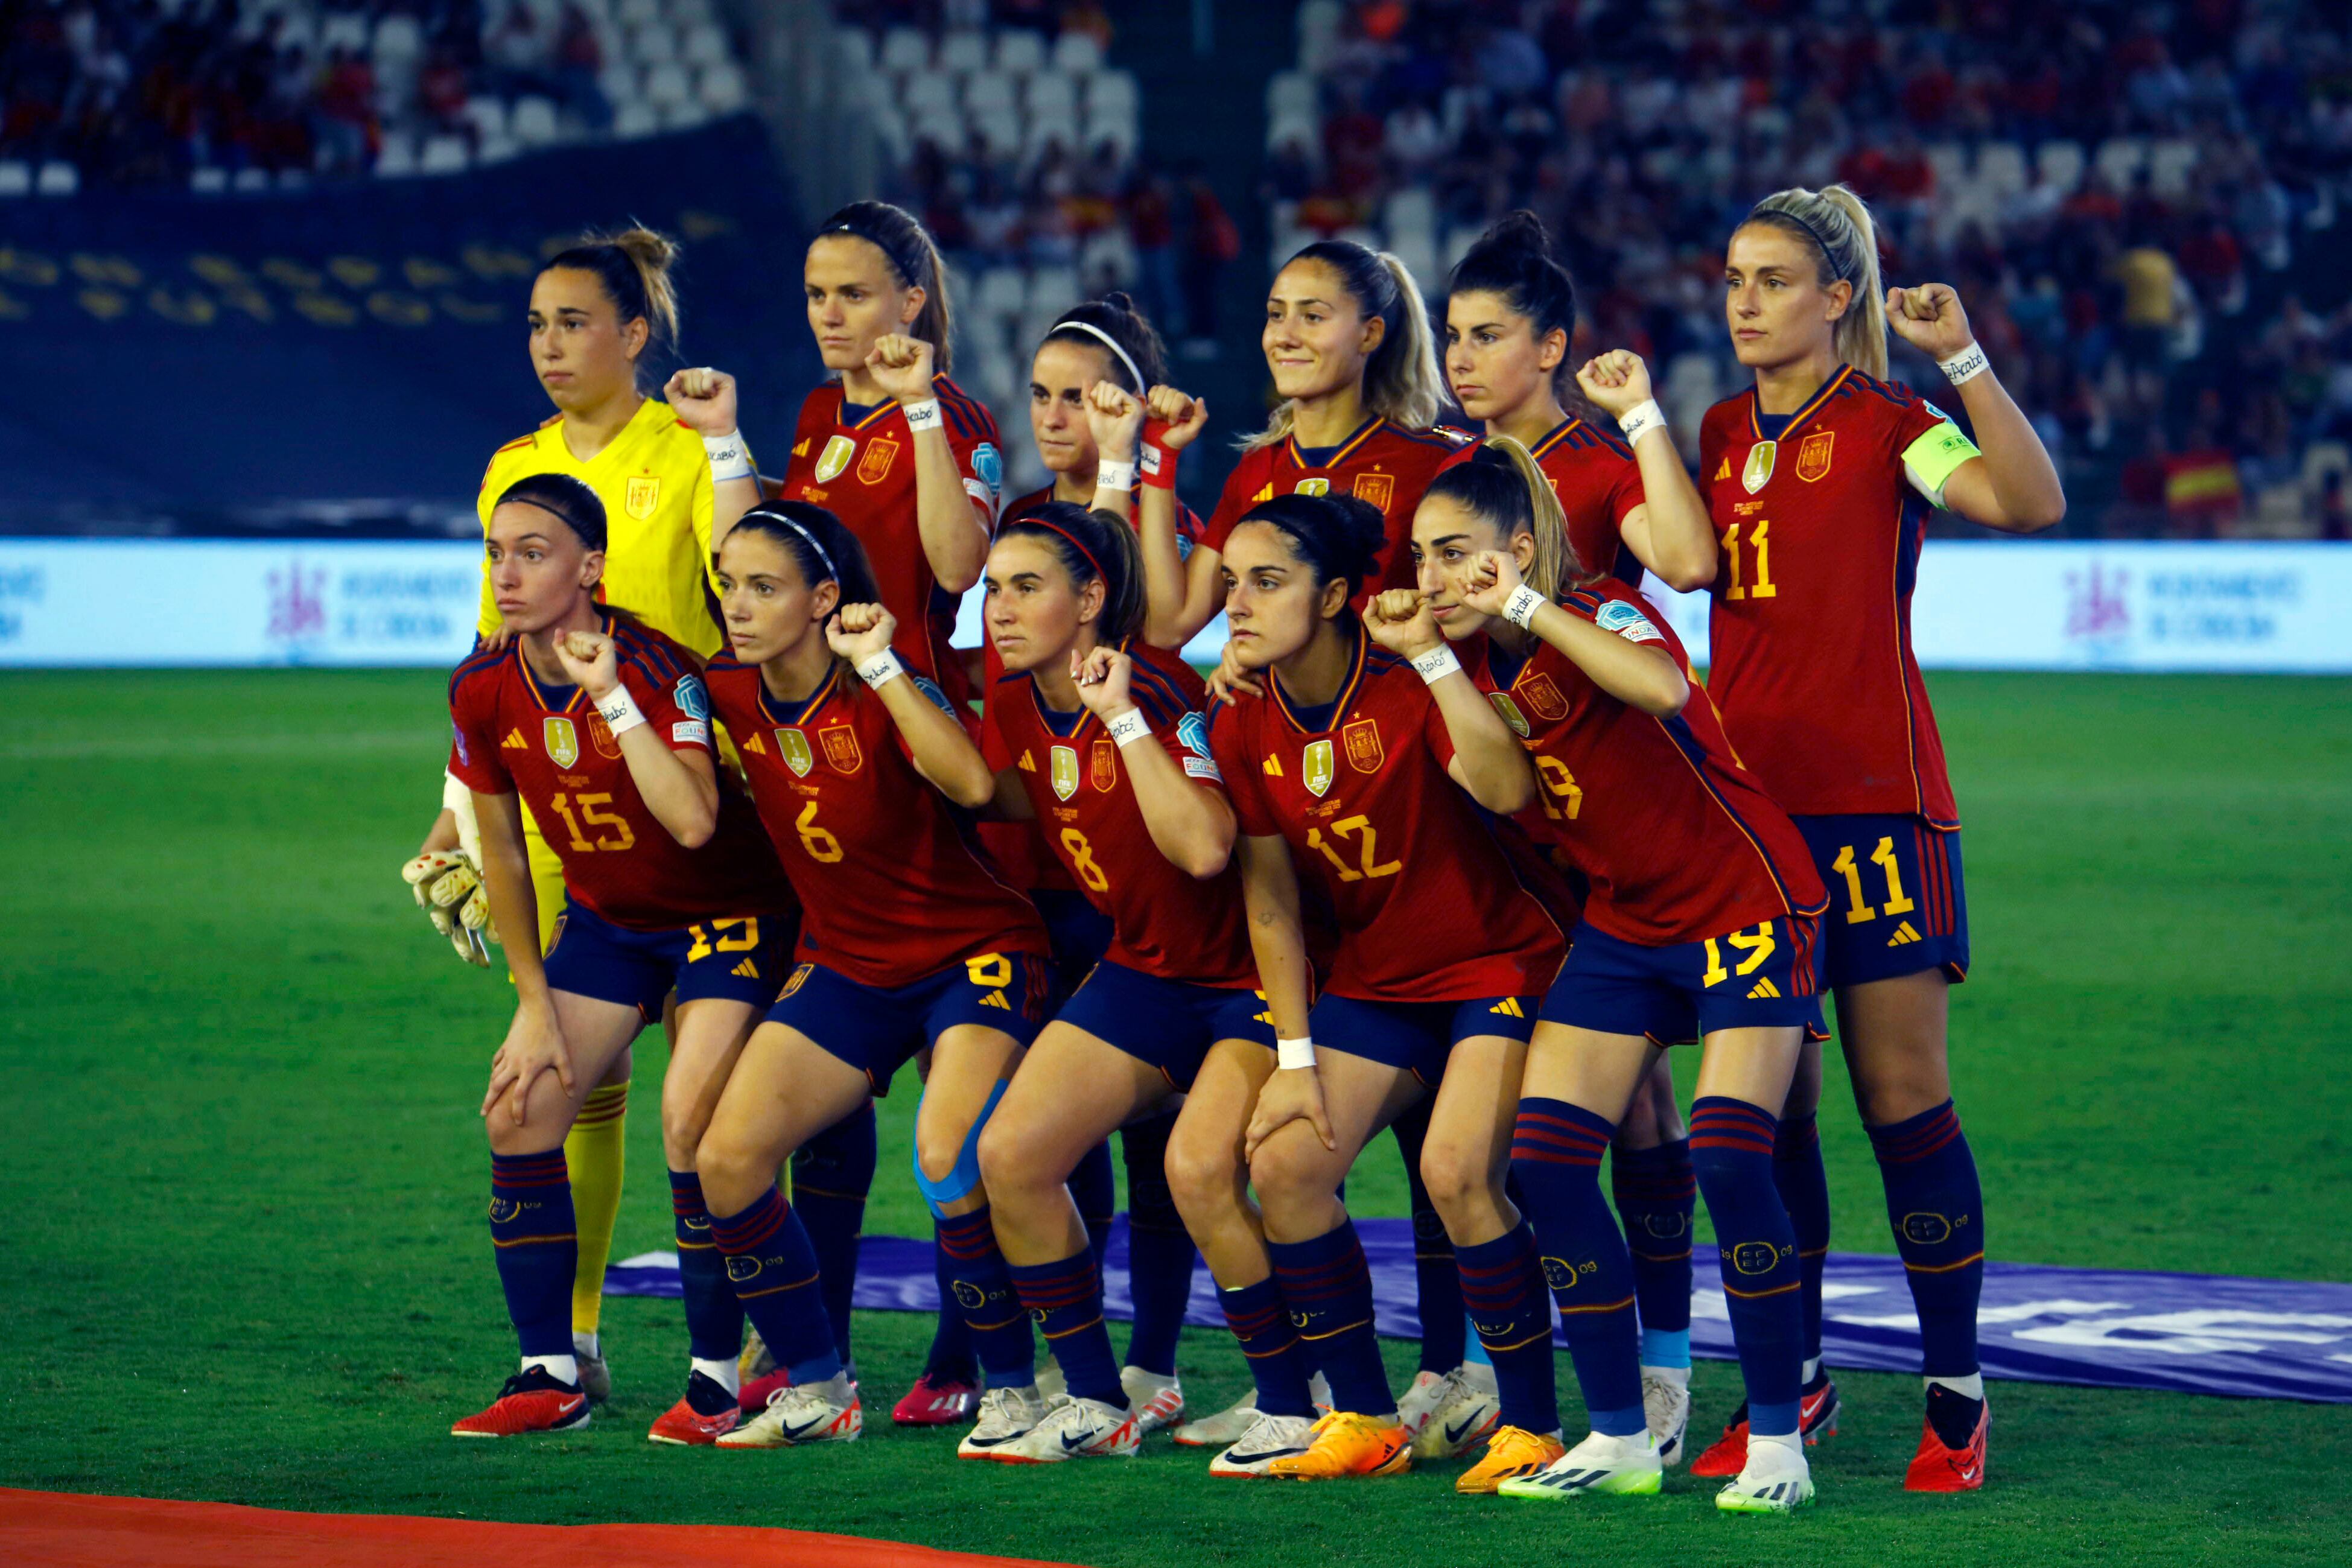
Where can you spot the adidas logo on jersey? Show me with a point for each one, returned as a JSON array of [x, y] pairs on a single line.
[[996, 1000], [1763, 991], [1028, 763], [1509, 1007], [1903, 935], [747, 969], [1273, 767], [514, 742], [756, 744]]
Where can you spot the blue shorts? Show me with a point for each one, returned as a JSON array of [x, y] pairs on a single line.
[[1416, 1036], [1080, 933], [1766, 976], [877, 1030], [1166, 1024], [1898, 903], [743, 959]]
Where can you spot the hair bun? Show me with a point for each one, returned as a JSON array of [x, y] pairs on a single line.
[[1519, 230], [649, 249], [1121, 301]]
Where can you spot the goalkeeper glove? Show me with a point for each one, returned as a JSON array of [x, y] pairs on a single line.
[[449, 889]]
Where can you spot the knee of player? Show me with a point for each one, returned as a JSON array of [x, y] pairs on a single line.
[[1201, 1173], [507, 1136], [1456, 1179], [1009, 1161], [939, 1149], [726, 1167], [1287, 1171]]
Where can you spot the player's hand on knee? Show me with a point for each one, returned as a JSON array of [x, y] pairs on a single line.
[[447, 886], [1291, 1094], [703, 399], [534, 1046]]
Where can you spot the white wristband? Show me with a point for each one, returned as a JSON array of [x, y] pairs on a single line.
[[923, 415], [729, 458], [1966, 365], [620, 711], [1109, 476], [881, 669], [1293, 1053], [1520, 611], [1129, 727], [1437, 664], [1643, 419]]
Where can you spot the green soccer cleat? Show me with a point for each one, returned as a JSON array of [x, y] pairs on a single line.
[[1598, 1465]]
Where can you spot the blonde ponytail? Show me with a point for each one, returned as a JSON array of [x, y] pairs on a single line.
[[1838, 223], [1503, 484], [652, 254], [1403, 381]]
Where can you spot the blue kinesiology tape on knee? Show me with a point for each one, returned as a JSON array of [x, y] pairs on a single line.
[[959, 1181]]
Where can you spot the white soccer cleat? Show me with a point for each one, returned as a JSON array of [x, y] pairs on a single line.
[[1425, 1396], [1052, 1387], [826, 1412], [1075, 1429], [1776, 1479], [1004, 1415], [1666, 1406], [1598, 1465], [1269, 1438], [1223, 1429], [1464, 1421], [1157, 1401]]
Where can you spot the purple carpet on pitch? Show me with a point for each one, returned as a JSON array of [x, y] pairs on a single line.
[[2103, 1327]]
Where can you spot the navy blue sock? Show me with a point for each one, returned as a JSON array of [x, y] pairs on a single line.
[[1504, 1286], [1436, 1278], [1731, 1145], [1805, 1191], [1329, 1289], [831, 1175], [950, 1358], [982, 1289], [1159, 1252], [1656, 1194], [537, 1246], [1556, 1156], [1937, 1208], [1095, 1190], [714, 1318], [1262, 1324], [775, 1272], [1064, 1301]]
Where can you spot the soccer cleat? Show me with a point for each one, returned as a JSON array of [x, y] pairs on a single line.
[[595, 1374], [1076, 1429], [759, 1390], [1157, 1401], [1817, 1413], [1224, 1429], [1268, 1438], [1512, 1453], [1776, 1479], [937, 1399], [756, 1361], [531, 1401], [1666, 1405], [1601, 1465], [1347, 1443], [707, 1414], [1939, 1466], [1004, 1415], [1052, 1387], [1425, 1396], [826, 1412], [1464, 1421]]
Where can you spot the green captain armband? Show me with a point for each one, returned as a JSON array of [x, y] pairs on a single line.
[[1931, 462]]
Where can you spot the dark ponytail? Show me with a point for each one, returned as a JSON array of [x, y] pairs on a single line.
[[820, 544], [1131, 334], [633, 267], [1093, 546], [1339, 537], [570, 500], [914, 260], [1514, 259]]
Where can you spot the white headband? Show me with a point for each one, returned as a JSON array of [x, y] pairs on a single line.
[[1090, 329], [822, 553]]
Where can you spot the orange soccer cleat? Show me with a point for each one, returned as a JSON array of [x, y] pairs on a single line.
[[1817, 1413], [705, 1414], [1347, 1444], [1511, 1452], [1938, 1467], [531, 1401]]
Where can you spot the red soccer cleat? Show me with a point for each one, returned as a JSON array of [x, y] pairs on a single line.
[[531, 1401], [936, 1400], [688, 1424], [1938, 1467], [1817, 1413], [759, 1390]]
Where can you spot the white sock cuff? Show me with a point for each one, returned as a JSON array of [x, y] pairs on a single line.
[[1971, 1387], [726, 1373], [562, 1368]]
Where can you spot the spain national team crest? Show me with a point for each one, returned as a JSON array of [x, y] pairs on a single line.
[[601, 737], [1544, 696], [1814, 456], [641, 496], [1104, 772], [1315, 767], [1379, 489], [840, 743], [1758, 472], [880, 452], [563, 743], [1510, 712], [1316, 486], [834, 458], [1363, 742], [794, 747], [1063, 763]]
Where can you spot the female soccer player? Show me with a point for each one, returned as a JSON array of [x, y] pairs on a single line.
[[601, 724], [601, 310], [1510, 317], [1368, 767], [911, 942], [1813, 671], [1703, 912]]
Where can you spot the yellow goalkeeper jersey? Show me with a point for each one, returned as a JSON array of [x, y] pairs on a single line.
[[655, 480]]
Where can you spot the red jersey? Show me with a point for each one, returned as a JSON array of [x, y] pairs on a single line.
[[1677, 840], [1430, 904], [1164, 921], [1598, 482], [1812, 657], [513, 733], [1384, 463], [859, 464], [892, 880]]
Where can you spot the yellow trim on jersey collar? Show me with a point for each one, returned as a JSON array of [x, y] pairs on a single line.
[[809, 704], [882, 411], [1811, 407], [1282, 702], [538, 691], [1559, 432], [1085, 715], [1363, 432]]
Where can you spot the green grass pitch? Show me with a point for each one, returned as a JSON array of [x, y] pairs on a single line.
[[244, 1260]]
